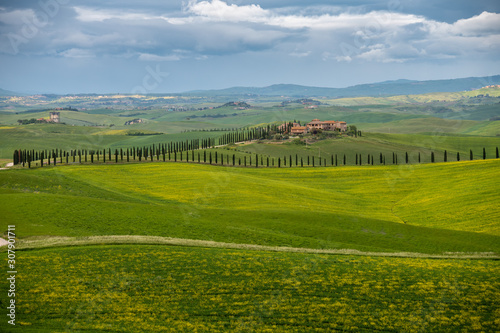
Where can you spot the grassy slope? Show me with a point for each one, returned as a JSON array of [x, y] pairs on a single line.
[[185, 289], [351, 207]]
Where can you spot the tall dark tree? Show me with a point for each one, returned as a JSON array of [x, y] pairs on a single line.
[[345, 160], [471, 157], [484, 153], [498, 156], [458, 156], [432, 157], [445, 157], [418, 157], [406, 157]]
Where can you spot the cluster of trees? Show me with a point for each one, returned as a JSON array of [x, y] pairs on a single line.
[[31, 121]]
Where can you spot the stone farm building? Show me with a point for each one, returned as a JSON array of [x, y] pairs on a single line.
[[328, 125], [55, 117]]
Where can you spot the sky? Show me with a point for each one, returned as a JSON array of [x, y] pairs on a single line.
[[171, 46]]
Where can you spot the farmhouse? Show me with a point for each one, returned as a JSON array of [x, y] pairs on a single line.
[[54, 117], [328, 125], [134, 121]]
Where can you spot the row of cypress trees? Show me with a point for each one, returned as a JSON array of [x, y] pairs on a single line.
[[194, 151]]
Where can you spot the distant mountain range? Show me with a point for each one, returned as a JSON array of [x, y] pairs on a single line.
[[9, 93], [387, 88]]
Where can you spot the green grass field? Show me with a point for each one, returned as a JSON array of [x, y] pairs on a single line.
[[142, 288], [372, 208]]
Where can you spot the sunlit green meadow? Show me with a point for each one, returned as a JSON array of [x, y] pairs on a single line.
[[189, 289]]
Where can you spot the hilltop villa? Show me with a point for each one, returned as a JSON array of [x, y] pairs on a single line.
[[328, 125]]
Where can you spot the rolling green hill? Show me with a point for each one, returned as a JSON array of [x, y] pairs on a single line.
[[364, 208]]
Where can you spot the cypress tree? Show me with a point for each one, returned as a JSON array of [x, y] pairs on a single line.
[[356, 159], [471, 156], [109, 154], [332, 161], [103, 156], [41, 158], [67, 156], [116, 156], [175, 156], [313, 160], [445, 158], [393, 158], [301, 162], [484, 153], [308, 163], [406, 157], [128, 155], [268, 161], [279, 162], [497, 153], [215, 157], [91, 156], [245, 160], [290, 161], [345, 160], [239, 161], [419, 157], [432, 157], [234, 159], [210, 157], [360, 162], [336, 161], [381, 158], [458, 156]]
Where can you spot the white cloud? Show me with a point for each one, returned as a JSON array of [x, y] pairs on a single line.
[[95, 15], [154, 57], [480, 25], [218, 10], [77, 53]]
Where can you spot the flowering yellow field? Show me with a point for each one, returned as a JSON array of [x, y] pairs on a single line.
[[127, 288]]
